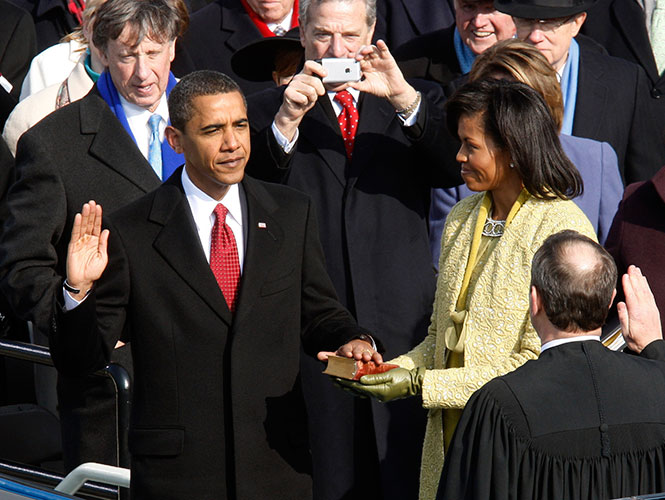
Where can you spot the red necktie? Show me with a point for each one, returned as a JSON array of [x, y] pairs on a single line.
[[348, 120], [224, 260]]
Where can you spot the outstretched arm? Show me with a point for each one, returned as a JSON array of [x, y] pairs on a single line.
[[87, 254]]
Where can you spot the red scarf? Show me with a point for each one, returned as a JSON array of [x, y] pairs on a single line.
[[262, 26]]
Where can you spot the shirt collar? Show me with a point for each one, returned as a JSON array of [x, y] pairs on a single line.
[[557, 342], [284, 23], [203, 205], [355, 93], [133, 111]]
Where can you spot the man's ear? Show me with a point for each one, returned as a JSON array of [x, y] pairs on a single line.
[[614, 295], [578, 22], [172, 50], [102, 58], [174, 137], [535, 301]]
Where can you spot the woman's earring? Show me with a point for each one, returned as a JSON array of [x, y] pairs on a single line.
[[511, 165]]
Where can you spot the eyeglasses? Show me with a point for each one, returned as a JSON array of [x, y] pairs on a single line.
[[524, 24]]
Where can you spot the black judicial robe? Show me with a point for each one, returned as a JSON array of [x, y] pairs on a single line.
[[580, 422]]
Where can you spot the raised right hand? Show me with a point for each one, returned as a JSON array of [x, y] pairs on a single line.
[[299, 97], [639, 315], [87, 254]]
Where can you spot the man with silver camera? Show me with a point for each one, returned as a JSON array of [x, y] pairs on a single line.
[[367, 152]]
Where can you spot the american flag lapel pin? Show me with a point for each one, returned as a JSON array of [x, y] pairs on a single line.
[[262, 225]]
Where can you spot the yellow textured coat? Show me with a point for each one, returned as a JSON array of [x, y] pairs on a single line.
[[499, 334]]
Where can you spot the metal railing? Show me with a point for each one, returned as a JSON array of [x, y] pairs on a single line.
[[121, 380]]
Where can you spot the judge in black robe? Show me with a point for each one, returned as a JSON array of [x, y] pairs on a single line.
[[580, 422]]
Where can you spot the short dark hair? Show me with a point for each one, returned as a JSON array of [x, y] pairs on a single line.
[[518, 121], [197, 83], [161, 20], [574, 299], [303, 10]]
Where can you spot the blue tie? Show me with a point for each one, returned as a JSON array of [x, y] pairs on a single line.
[[155, 147]]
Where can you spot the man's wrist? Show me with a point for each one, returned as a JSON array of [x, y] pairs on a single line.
[[286, 125], [403, 100], [367, 338]]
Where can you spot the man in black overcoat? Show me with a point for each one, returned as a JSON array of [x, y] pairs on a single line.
[[611, 95], [581, 421], [218, 30], [18, 45], [217, 410], [372, 197], [621, 27], [446, 54], [399, 21], [87, 150]]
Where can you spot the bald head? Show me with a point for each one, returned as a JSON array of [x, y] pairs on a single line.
[[575, 278]]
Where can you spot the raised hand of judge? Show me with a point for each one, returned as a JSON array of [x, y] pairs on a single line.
[[639, 315], [87, 254], [382, 77], [397, 383]]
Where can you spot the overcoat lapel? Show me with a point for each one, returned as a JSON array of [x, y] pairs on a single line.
[[264, 238], [591, 97], [637, 39], [321, 129], [112, 145], [177, 243], [239, 26], [376, 115]]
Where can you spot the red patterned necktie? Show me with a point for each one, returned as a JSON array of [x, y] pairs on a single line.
[[224, 260], [348, 120]]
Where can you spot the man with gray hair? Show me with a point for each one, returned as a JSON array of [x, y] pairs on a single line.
[[581, 421], [108, 146], [368, 152]]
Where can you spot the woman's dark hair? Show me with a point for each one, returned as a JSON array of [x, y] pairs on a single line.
[[518, 121]]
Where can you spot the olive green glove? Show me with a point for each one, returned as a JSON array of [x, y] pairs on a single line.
[[397, 383]]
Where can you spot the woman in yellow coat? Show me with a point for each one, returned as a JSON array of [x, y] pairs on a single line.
[[480, 327]]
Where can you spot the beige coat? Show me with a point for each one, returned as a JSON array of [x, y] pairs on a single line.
[[499, 334], [36, 106]]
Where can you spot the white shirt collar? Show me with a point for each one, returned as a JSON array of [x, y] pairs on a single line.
[[138, 117], [578, 338], [203, 205], [284, 23], [133, 110], [337, 106]]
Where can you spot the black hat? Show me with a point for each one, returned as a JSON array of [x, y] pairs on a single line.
[[256, 61], [542, 9]]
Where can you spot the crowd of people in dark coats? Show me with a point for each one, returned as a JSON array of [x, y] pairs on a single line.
[[91, 108]]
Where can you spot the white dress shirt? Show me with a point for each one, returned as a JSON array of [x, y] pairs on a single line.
[[138, 117], [203, 207], [578, 338], [284, 23]]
